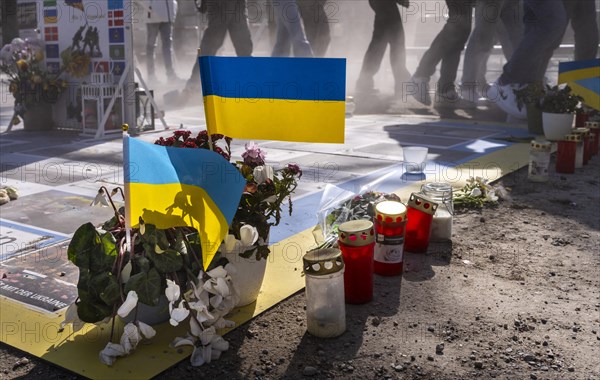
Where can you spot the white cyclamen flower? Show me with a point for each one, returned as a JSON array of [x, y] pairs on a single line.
[[262, 174], [217, 272], [172, 292], [72, 317], [110, 353], [248, 235], [130, 338], [126, 272], [146, 330], [197, 358], [129, 304], [187, 341], [230, 244], [100, 199], [177, 314], [219, 344], [476, 192]]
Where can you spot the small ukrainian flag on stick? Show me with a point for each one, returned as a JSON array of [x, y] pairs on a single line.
[[175, 187]]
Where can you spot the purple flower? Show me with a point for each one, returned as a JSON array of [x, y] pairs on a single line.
[[294, 169], [253, 156]]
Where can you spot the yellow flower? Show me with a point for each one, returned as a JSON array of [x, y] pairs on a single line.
[[22, 65]]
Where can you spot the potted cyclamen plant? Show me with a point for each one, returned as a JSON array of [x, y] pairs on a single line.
[[558, 106], [163, 268], [529, 97]]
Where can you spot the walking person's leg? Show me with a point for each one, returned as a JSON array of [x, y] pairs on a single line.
[[479, 47], [239, 32], [166, 33], [377, 47], [151, 35]]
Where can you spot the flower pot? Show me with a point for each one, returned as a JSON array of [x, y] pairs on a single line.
[[248, 276], [534, 120], [38, 117], [557, 125], [151, 315]]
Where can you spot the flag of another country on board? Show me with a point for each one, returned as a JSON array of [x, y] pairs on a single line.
[[584, 79], [287, 99], [75, 4], [171, 187]]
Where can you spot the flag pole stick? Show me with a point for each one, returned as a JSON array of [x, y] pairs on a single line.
[[210, 144], [126, 165]]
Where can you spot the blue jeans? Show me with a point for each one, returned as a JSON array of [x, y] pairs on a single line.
[[493, 19], [290, 33], [165, 30], [545, 23], [585, 28], [448, 45], [387, 30], [224, 16]]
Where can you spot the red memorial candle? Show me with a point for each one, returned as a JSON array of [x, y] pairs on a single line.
[[390, 223], [565, 154], [356, 241], [419, 212]]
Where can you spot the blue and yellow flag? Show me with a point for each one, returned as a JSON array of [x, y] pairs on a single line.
[[287, 99], [171, 187], [584, 79]]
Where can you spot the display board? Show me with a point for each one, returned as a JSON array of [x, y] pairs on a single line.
[[102, 31]]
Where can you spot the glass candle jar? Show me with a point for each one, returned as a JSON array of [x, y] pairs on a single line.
[[325, 307], [390, 223], [594, 127], [441, 224], [419, 211], [357, 241], [566, 153], [539, 159], [585, 137]]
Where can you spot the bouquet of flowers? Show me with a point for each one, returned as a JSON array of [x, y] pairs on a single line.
[[478, 192], [28, 81], [339, 206]]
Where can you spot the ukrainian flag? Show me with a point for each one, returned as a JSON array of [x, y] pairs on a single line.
[[171, 187], [288, 99], [584, 79]]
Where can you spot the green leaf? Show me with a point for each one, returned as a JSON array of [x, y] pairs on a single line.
[[83, 245], [166, 262], [92, 312], [141, 264], [103, 259], [148, 286], [154, 236], [111, 292]]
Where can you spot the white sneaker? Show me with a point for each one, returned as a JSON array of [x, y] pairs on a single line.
[[504, 97]]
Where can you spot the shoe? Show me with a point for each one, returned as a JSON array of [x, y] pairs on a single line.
[[452, 100], [504, 97], [418, 88]]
